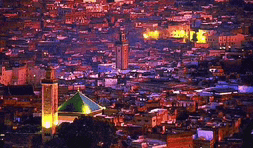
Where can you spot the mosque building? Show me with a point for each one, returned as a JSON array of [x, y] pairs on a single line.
[[52, 115], [77, 105]]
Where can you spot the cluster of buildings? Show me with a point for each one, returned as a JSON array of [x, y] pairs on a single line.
[[165, 73]]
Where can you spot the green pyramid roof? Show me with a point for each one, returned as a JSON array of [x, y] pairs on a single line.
[[79, 103]]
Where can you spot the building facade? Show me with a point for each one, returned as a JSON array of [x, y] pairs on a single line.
[[34, 75], [13, 75], [180, 140], [122, 48], [49, 105], [226, 41], [21, 75]]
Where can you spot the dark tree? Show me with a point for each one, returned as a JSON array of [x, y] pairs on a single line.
[[87, 132], [237, 3], [247, 136], [36, 141], [194, 37]]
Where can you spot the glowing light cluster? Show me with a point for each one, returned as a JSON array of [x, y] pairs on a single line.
[[179, 34], [151, 35], [86, 109], [200, 35], [47, 121]]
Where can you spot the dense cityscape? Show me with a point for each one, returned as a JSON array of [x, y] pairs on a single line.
[[126, 74]]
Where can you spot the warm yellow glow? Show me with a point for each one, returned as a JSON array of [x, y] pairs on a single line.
[[14, 127], [179, 34], [47, 121], [151, 35], [200, 35], [145, 36], [182, 32], [86, 109], [56, 122]]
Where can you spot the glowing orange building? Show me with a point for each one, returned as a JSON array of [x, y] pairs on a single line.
[[122, 51], [154, 35], [179, 30], [183, 31], [49, 105]]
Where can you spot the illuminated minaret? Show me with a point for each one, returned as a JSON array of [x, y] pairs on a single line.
[[49, 105], [122, 51]]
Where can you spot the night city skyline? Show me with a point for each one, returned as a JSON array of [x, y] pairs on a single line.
[[126, 74]]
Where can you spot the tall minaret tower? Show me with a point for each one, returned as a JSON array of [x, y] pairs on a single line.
[[122, 48], [49, 105]]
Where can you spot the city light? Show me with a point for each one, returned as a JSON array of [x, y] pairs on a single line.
[[179, 34], [86, 109], [47, 121], [151, 35], [200, 35], [145, 36], [79, 73]]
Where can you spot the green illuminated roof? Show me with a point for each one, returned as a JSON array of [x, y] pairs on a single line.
[[79, 103]]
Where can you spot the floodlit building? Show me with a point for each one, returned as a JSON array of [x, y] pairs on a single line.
[[151, 35], [179, 31], [52, 115], [49, 105], [76, 106]]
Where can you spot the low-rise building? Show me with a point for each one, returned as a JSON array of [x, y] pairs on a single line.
[[154, 118]]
